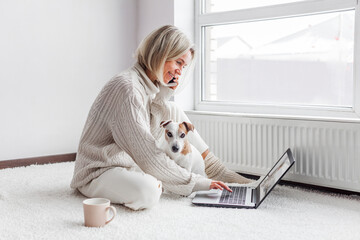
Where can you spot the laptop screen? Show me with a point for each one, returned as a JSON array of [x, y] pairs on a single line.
[[275, 174]]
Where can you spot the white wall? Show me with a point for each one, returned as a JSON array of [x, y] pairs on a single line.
[[153, 14], [55, 56]]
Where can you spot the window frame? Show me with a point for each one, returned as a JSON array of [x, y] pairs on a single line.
[[274, 12]]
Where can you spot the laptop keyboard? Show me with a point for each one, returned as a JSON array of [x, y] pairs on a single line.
[[237, 196]]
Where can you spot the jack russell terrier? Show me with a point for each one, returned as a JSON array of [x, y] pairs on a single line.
[[178, 148]]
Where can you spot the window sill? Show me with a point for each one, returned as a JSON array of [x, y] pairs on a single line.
[[276, 116]]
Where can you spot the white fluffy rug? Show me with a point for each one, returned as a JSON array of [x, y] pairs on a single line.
[[36, 202]]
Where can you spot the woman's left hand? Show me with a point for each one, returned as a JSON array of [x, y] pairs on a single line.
[[177, 84]]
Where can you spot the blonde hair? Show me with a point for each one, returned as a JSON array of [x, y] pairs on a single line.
[[163, 44]]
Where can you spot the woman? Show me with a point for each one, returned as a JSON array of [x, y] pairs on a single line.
[[118, 157]]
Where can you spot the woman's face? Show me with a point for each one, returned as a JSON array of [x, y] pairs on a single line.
[[174, 68]]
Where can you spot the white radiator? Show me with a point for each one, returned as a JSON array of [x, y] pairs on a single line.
[[326, 153]]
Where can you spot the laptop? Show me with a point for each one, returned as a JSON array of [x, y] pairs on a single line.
[[247, 196]]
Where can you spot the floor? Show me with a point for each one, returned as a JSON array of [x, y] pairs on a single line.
[[36, 202]]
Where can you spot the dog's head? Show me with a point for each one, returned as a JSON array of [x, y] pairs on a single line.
[[175, 135]]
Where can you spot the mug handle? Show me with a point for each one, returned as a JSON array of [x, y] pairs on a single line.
[[113, 211]]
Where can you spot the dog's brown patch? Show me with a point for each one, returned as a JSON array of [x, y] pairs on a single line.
[[189, 126], [182, 128], [186, 127], [187, 148]]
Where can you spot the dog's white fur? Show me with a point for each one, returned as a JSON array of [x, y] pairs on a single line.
[[179, 149]]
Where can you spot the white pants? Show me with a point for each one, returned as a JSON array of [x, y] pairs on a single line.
[[133, 188]]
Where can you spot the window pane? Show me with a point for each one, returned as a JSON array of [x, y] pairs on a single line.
[[229, 5], [304, 60]]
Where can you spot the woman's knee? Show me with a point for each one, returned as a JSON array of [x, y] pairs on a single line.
[[135, 190], [146, 195]]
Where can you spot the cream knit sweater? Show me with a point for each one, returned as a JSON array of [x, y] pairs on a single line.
[[117, 134]]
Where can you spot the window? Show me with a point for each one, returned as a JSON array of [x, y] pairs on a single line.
[[210, 6], [279, 57]]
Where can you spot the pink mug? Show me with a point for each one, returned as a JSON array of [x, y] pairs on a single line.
[[96, 212]]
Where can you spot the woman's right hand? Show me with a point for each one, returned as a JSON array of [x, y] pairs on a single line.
[[219, 185]]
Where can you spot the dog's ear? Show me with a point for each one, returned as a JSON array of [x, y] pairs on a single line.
[[189, 126], [164, 123]]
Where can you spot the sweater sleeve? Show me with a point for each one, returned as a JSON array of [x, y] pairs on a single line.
[[131, 131]]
